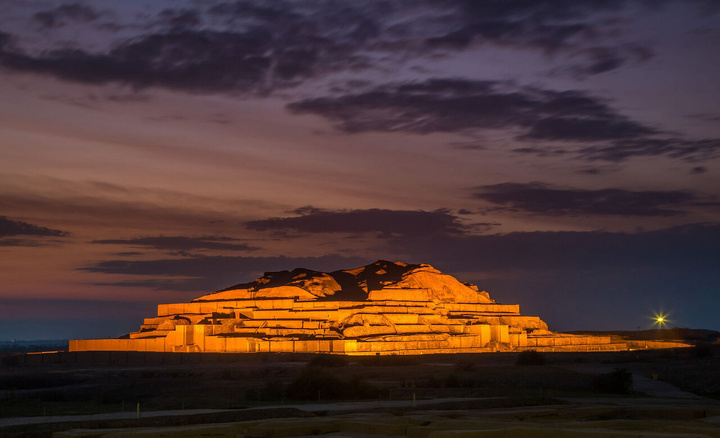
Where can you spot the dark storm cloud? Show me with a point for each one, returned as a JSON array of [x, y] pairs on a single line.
[[182, 243], [261, 49], [61, 15], [709, 7], [571, 28], [547, 37], [581, 129], [9, 227], [199, 273], [541, 116], [450, 25], [539, 198], [461, 105], [262, 46], [704, 117], [385, 222], [673, 147], [540, 152], [595, 170], [548, 25], [184, 59], [261, 12], [258, 59], [19, 242], [602, 59], [180, 18], [534, 10], [5, 40]]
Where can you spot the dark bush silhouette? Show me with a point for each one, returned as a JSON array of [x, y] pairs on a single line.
[[530, 357], [253, 394], [328, 361], [272, 389], [315, 383], [465, 366], [357, 388], [388, 361], [452, 381], [618, 381], [702, 350]]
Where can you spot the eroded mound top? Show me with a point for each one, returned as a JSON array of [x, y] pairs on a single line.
[[354, 284]]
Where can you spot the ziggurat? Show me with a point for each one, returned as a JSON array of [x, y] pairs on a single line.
[[382, 308]]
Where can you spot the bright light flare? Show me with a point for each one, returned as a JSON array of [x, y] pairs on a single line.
[[660, 319]]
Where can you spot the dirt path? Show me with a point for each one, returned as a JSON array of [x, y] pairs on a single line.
[[18, 421], [641, 384], [309, 407], [657, 388]]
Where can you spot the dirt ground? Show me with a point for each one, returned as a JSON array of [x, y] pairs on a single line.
[[277, 381]]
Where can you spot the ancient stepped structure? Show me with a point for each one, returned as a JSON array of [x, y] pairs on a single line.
[[382, 308]]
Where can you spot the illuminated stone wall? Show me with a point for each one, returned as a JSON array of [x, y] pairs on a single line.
[[350, 327], [401, 317]]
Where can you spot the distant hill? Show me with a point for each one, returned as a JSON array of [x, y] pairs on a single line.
[[676, 334]]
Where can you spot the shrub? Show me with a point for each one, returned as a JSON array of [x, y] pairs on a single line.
[[314, 384], [618, 381], [432, 382], [465, 366], [389, 361], [530, 357], [452, 381], [358, 388], [702, 351], [252, 394], [328, 361]]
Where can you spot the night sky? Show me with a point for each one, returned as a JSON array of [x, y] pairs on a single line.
[[561, 154]]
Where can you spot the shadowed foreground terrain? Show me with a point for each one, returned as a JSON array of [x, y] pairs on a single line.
[[474, 391]]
